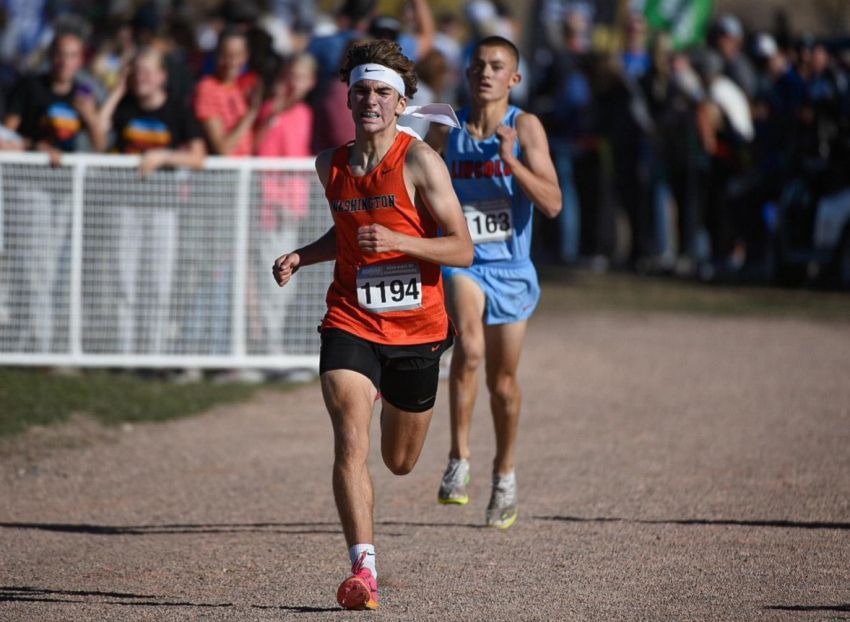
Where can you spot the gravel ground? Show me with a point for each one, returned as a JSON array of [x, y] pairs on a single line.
[[670, 468]]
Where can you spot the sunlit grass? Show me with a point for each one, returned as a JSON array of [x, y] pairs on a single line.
[[575, 292], [39, 397]]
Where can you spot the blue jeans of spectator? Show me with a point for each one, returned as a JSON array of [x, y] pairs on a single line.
[[569, 220]]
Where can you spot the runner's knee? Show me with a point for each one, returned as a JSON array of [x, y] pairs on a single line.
[[470, 351], [503, 388], [399, 463]]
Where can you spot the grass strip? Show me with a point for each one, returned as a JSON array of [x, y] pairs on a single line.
[[39, 397], [575, 292]]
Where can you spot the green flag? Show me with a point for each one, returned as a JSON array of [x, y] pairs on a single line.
[[685, 20]]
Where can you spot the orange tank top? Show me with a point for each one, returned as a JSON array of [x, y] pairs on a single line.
[[388, 298]]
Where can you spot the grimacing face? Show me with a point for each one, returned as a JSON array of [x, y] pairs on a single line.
[[374, 105], [492, 73]]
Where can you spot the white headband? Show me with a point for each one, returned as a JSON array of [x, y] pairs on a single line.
[[374, 71], [436, 113]]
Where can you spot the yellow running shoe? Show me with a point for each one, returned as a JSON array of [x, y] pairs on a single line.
[[454, 482], [502, 510]]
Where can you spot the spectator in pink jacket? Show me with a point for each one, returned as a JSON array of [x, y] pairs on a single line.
[[284, 129]]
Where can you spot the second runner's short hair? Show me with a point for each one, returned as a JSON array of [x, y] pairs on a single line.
[[496, 41]]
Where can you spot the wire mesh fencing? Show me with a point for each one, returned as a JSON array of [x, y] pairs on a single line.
[[102, 267]]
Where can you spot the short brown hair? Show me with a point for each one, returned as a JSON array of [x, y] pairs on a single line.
[[496, 41], [382, 52]]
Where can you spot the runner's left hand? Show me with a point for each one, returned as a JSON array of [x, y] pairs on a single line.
[[377, 239]]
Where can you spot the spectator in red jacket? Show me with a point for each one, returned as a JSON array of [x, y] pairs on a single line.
[[227, 116]]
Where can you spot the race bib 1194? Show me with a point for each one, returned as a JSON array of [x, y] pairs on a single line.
[[389, 287]]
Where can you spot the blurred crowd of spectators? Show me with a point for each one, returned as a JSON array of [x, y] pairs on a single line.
[[695, 146], [177, 80]]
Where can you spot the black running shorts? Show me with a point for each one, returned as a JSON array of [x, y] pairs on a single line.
[[406, 376]]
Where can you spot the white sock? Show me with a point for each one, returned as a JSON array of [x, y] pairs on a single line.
[[369, 561]]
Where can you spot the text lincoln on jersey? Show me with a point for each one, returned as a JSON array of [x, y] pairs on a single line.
[[469, 169]]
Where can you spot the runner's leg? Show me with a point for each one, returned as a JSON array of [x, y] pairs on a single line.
[[504, 346], [349, 398], [466, 304], [402, 437]]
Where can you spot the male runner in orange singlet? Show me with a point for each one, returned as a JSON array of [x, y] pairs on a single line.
[[386, 325]]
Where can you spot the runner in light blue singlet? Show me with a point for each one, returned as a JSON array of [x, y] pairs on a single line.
[[499, 215], [502, 172]]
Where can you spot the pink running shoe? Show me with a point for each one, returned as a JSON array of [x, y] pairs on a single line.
[[360, 590]]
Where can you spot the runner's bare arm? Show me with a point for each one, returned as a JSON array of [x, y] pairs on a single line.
[[323, 249], [426, 172], [536, 176]]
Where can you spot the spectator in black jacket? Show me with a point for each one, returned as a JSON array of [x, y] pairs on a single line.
[[160, 127], [50, 112]]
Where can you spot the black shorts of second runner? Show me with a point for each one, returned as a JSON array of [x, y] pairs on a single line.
[[406, 375]]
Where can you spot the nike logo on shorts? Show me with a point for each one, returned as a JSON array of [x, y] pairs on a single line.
[[435, 348]]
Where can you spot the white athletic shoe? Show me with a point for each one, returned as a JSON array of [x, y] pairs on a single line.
[[454, 482], [502, 510]]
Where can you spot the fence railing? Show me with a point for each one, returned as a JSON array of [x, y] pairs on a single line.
[[101, 267]]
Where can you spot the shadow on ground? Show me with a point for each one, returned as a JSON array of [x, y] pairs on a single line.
[[43, 595], [28, 594], [841, 608], [780, 524], [213, 528], [302, 528]]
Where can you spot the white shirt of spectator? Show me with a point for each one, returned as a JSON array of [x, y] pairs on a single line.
[[733, 102]]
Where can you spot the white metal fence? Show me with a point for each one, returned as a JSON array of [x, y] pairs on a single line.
[[99, 267]]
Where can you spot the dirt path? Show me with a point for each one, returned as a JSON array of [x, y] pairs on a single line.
[[671, 468]]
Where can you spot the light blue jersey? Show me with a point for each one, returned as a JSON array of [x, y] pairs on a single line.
[[498, 212], [499, 216]]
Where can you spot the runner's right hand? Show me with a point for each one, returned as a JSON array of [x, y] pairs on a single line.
[[284, 267]]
